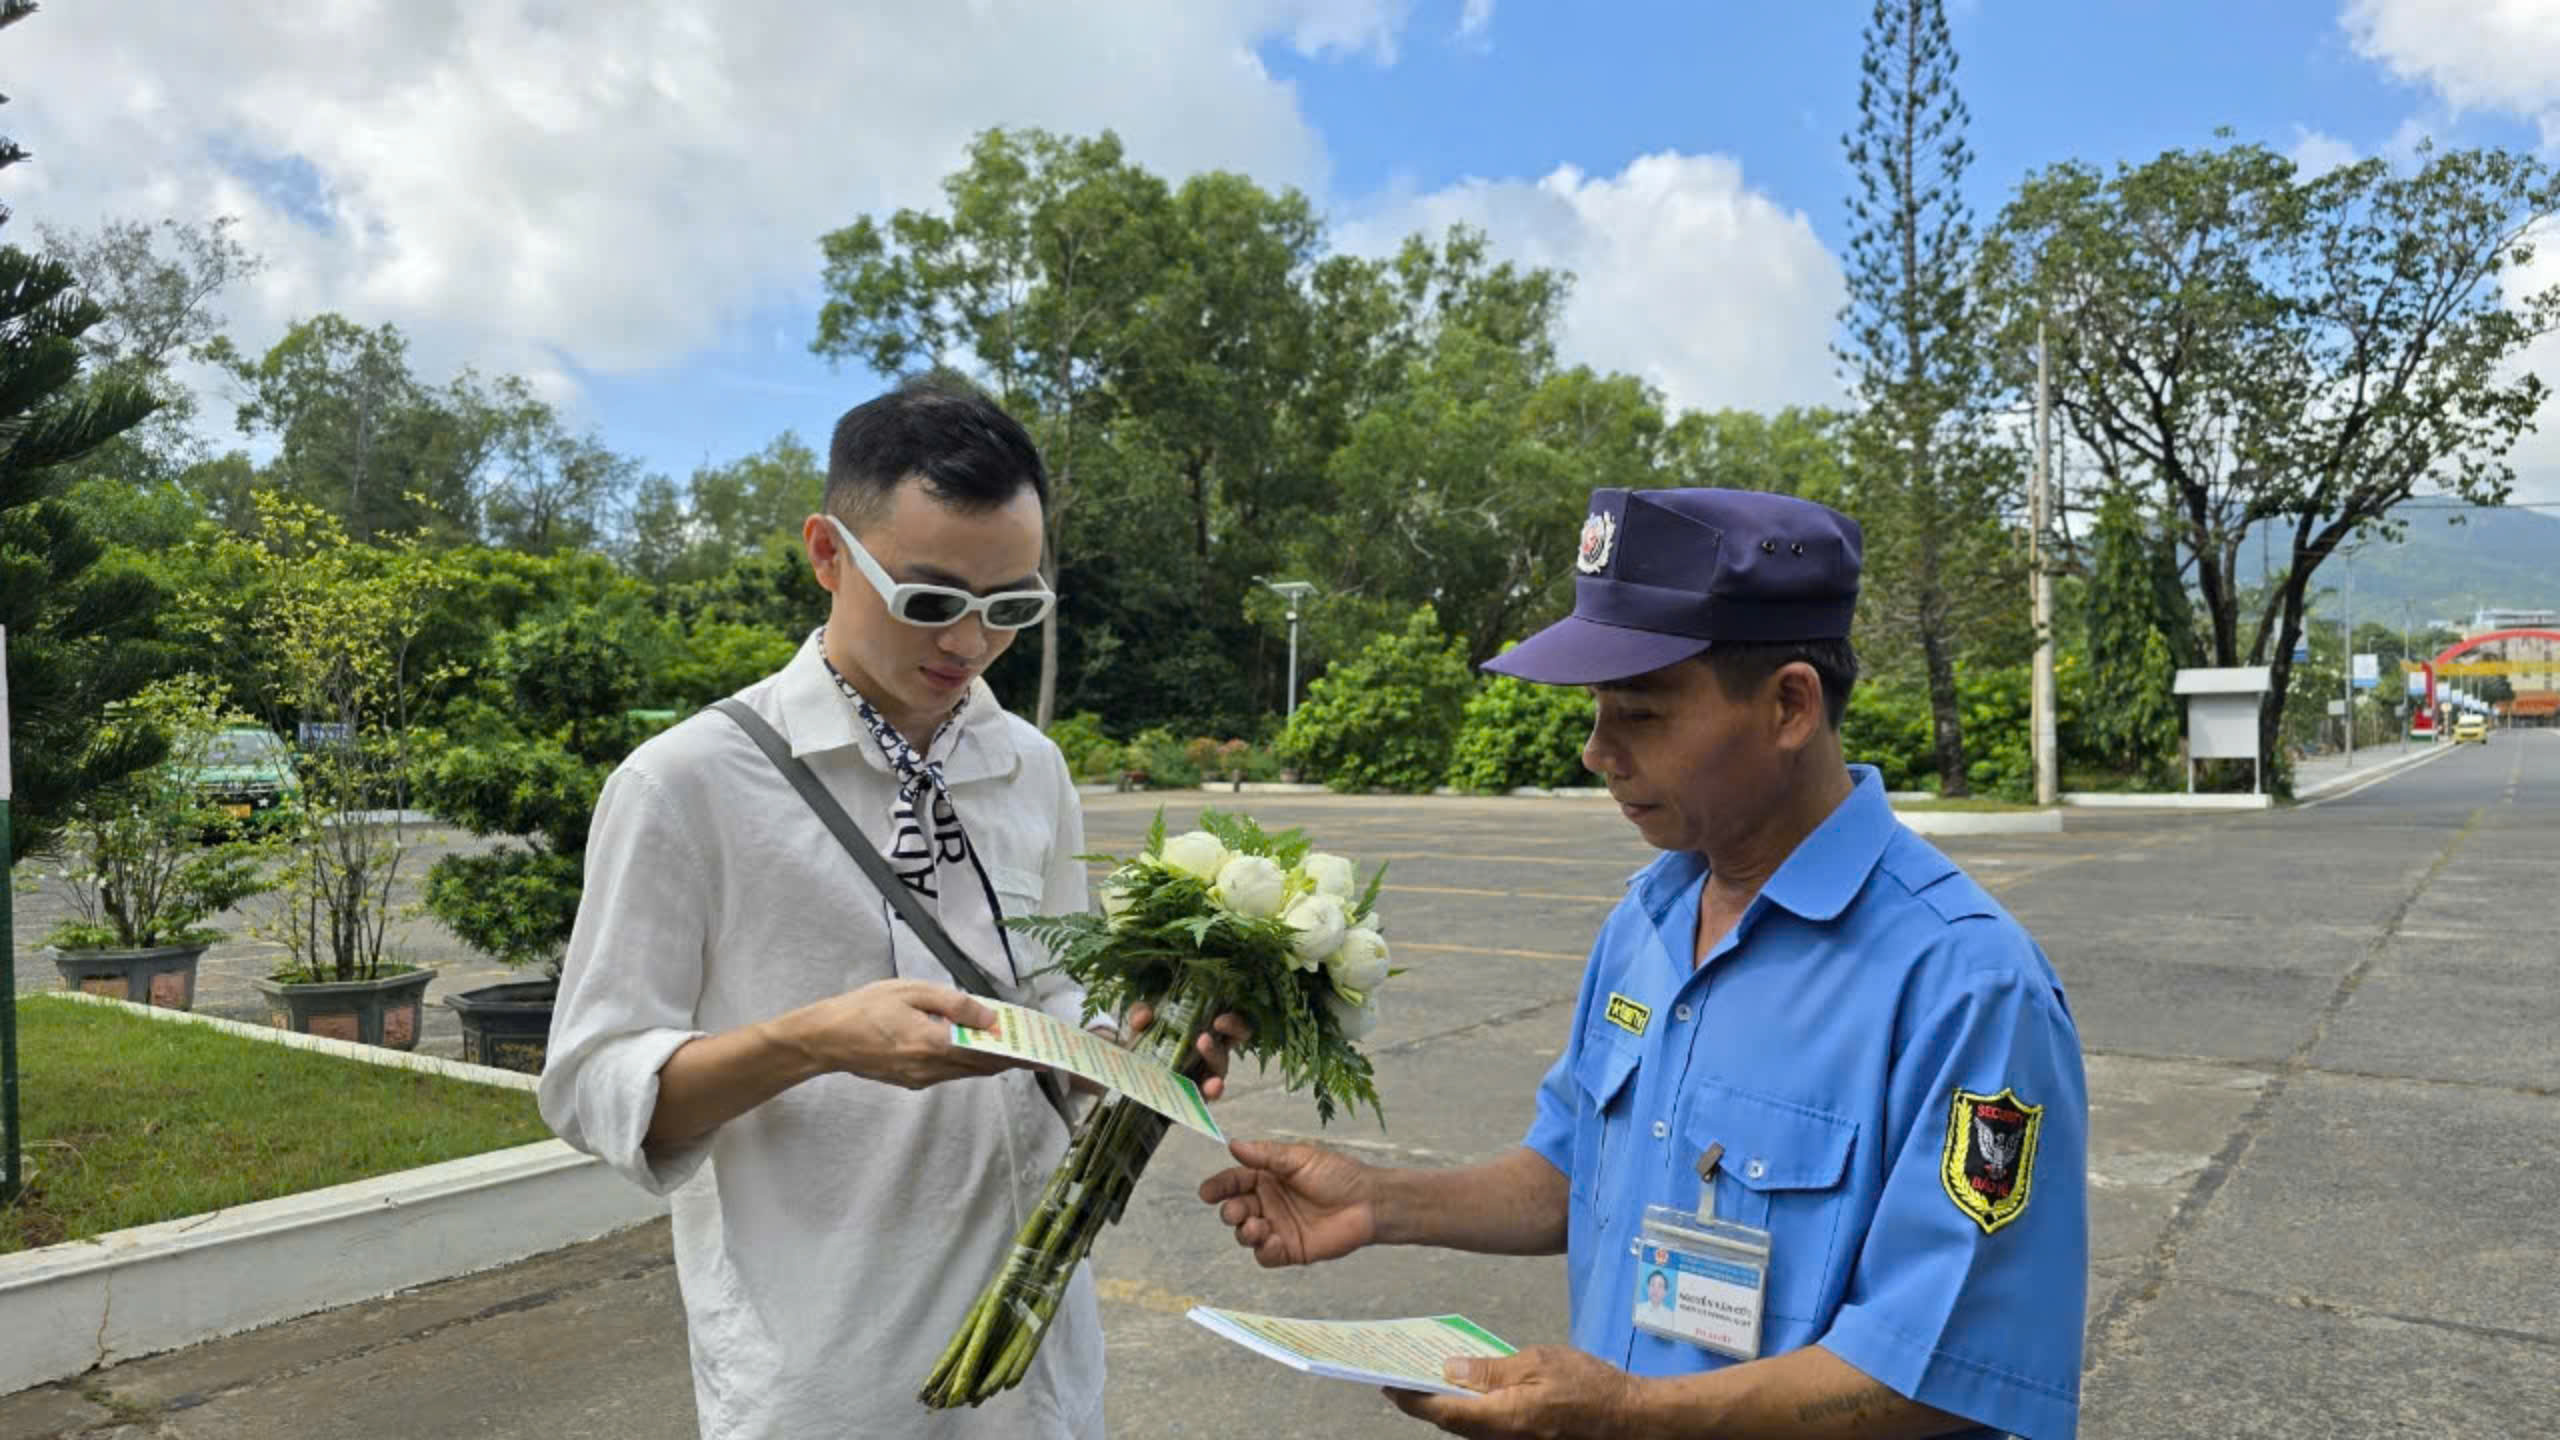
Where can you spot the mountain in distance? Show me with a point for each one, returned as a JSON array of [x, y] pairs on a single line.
[[2448, 565]]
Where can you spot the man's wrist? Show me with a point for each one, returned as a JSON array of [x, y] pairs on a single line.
[[787, 1054], [1392, 1206]]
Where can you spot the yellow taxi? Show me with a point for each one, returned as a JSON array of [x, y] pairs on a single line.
[[2471, 730]]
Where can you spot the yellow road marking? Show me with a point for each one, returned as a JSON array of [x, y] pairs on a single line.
[[1146, 1297]]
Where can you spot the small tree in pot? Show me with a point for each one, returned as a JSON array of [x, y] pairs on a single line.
[[338, 623], [141, 885], [524, 763]]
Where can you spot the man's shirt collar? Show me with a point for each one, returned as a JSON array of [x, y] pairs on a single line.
[[817, 717]]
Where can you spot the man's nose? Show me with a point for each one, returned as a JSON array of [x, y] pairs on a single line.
[[964, 638]]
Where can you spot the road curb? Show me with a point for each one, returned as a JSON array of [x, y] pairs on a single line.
[[73, 1307], [2357, 779], [2164, 800], [1981, 822]]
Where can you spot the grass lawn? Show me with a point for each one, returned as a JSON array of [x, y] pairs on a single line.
[[127, 1121]]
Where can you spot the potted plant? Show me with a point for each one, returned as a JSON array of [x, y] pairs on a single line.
[[335, 623], [523, 762], [141, 885]]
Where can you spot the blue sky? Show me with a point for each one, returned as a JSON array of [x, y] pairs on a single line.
[[1772, 86], [622, 200]]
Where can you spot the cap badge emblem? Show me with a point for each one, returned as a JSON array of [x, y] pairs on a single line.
[[1599, 537]]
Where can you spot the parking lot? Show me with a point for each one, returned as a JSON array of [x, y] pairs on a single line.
[[2325, 1162]]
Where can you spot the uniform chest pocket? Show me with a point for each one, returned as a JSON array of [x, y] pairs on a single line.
[[1604, 1073], [1783, 1170]]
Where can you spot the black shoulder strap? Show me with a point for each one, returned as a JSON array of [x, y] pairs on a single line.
[[938, 941]]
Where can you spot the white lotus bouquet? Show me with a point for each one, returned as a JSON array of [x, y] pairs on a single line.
[[1223, 919]]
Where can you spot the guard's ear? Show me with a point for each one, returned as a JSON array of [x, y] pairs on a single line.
[[1796, 694]]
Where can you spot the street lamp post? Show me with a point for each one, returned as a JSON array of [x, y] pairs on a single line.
[[1293, 591]]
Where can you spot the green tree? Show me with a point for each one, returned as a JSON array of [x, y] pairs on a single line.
[[686, 536], [539, 488], [1930, 493], [1035, 278], [1797, 451], [2139, 632], [526, 768], [2253, 348], [82, 634], [1387, 717], [1514, 734], [359, 435]]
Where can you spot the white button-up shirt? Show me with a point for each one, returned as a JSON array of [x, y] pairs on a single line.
[[829, 1240]]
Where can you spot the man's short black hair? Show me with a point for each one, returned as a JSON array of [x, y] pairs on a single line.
[[1741, 669], [971, 454]]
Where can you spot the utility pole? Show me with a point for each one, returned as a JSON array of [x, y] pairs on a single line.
[[2347, 651], [10, 1179], [2040, 582]]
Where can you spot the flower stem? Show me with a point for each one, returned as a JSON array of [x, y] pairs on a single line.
[[993, 1349]]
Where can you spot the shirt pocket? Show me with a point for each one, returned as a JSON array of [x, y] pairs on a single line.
[[1604, 1074], [1781, 1171]]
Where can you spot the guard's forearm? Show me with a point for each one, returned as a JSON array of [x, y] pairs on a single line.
[[1807, 1394], [711, 1081], [1514, 1205]]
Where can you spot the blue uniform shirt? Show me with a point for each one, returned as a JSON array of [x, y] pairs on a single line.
[[1889, 1064]]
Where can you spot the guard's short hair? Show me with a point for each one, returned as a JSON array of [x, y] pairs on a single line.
[[1741, 669], [971, 454]]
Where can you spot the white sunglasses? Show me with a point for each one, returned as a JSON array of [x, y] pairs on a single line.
[[934, 606]]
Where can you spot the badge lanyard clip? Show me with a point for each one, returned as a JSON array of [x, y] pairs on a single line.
[[1708, 1160]]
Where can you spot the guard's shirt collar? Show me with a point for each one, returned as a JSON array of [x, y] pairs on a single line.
[[1818, 878]]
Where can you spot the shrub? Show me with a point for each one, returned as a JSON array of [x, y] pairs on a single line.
[[1163, 760], [1386, 718], [1090, 753], [1515, 734]]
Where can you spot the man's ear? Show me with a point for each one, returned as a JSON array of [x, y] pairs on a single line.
[[818, 539], [1800, 711]]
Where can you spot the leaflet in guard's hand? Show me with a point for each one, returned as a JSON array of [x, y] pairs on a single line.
[[1403, 1354]]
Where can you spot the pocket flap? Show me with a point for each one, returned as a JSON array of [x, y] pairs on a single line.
[[1015, 887], [1602, 1069], [1770, 1144]]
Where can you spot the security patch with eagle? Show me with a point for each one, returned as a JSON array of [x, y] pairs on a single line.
[[1990, 1157]]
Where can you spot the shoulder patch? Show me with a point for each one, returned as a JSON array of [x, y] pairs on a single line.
[[1989, 1164]]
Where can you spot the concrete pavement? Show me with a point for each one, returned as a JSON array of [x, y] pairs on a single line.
[[2325, 1157]]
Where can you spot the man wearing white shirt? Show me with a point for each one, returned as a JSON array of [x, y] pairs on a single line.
[[745, 1023]]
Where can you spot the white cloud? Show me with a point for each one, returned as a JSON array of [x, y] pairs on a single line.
[[2315, 153], [1684, 275], [1475, 23], [2475, 54], [2537, 457], [2483, 55], [537, 185]]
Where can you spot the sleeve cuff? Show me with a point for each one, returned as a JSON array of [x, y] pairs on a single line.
[[2014, 1404], [613, 1095]]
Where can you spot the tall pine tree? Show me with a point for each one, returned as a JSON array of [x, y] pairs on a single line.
[[1928, 488], [2141, 630], [80, 634]]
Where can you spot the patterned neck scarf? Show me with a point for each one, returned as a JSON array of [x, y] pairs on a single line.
[[926, 837]]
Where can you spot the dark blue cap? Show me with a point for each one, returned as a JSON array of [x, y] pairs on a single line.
[[1662, 575]]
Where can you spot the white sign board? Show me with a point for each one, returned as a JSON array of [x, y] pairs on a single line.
[[2337, 707], [2367, 671], [5, 791]]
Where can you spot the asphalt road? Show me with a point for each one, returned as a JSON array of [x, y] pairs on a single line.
[[2325, 1160]]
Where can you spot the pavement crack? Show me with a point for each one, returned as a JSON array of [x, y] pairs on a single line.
[[2112, 1324], [2348, 1310]]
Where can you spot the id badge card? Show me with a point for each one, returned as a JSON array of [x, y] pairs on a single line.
[[1701, 1281]]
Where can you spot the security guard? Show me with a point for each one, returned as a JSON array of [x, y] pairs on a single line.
[[1821, 1095]]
